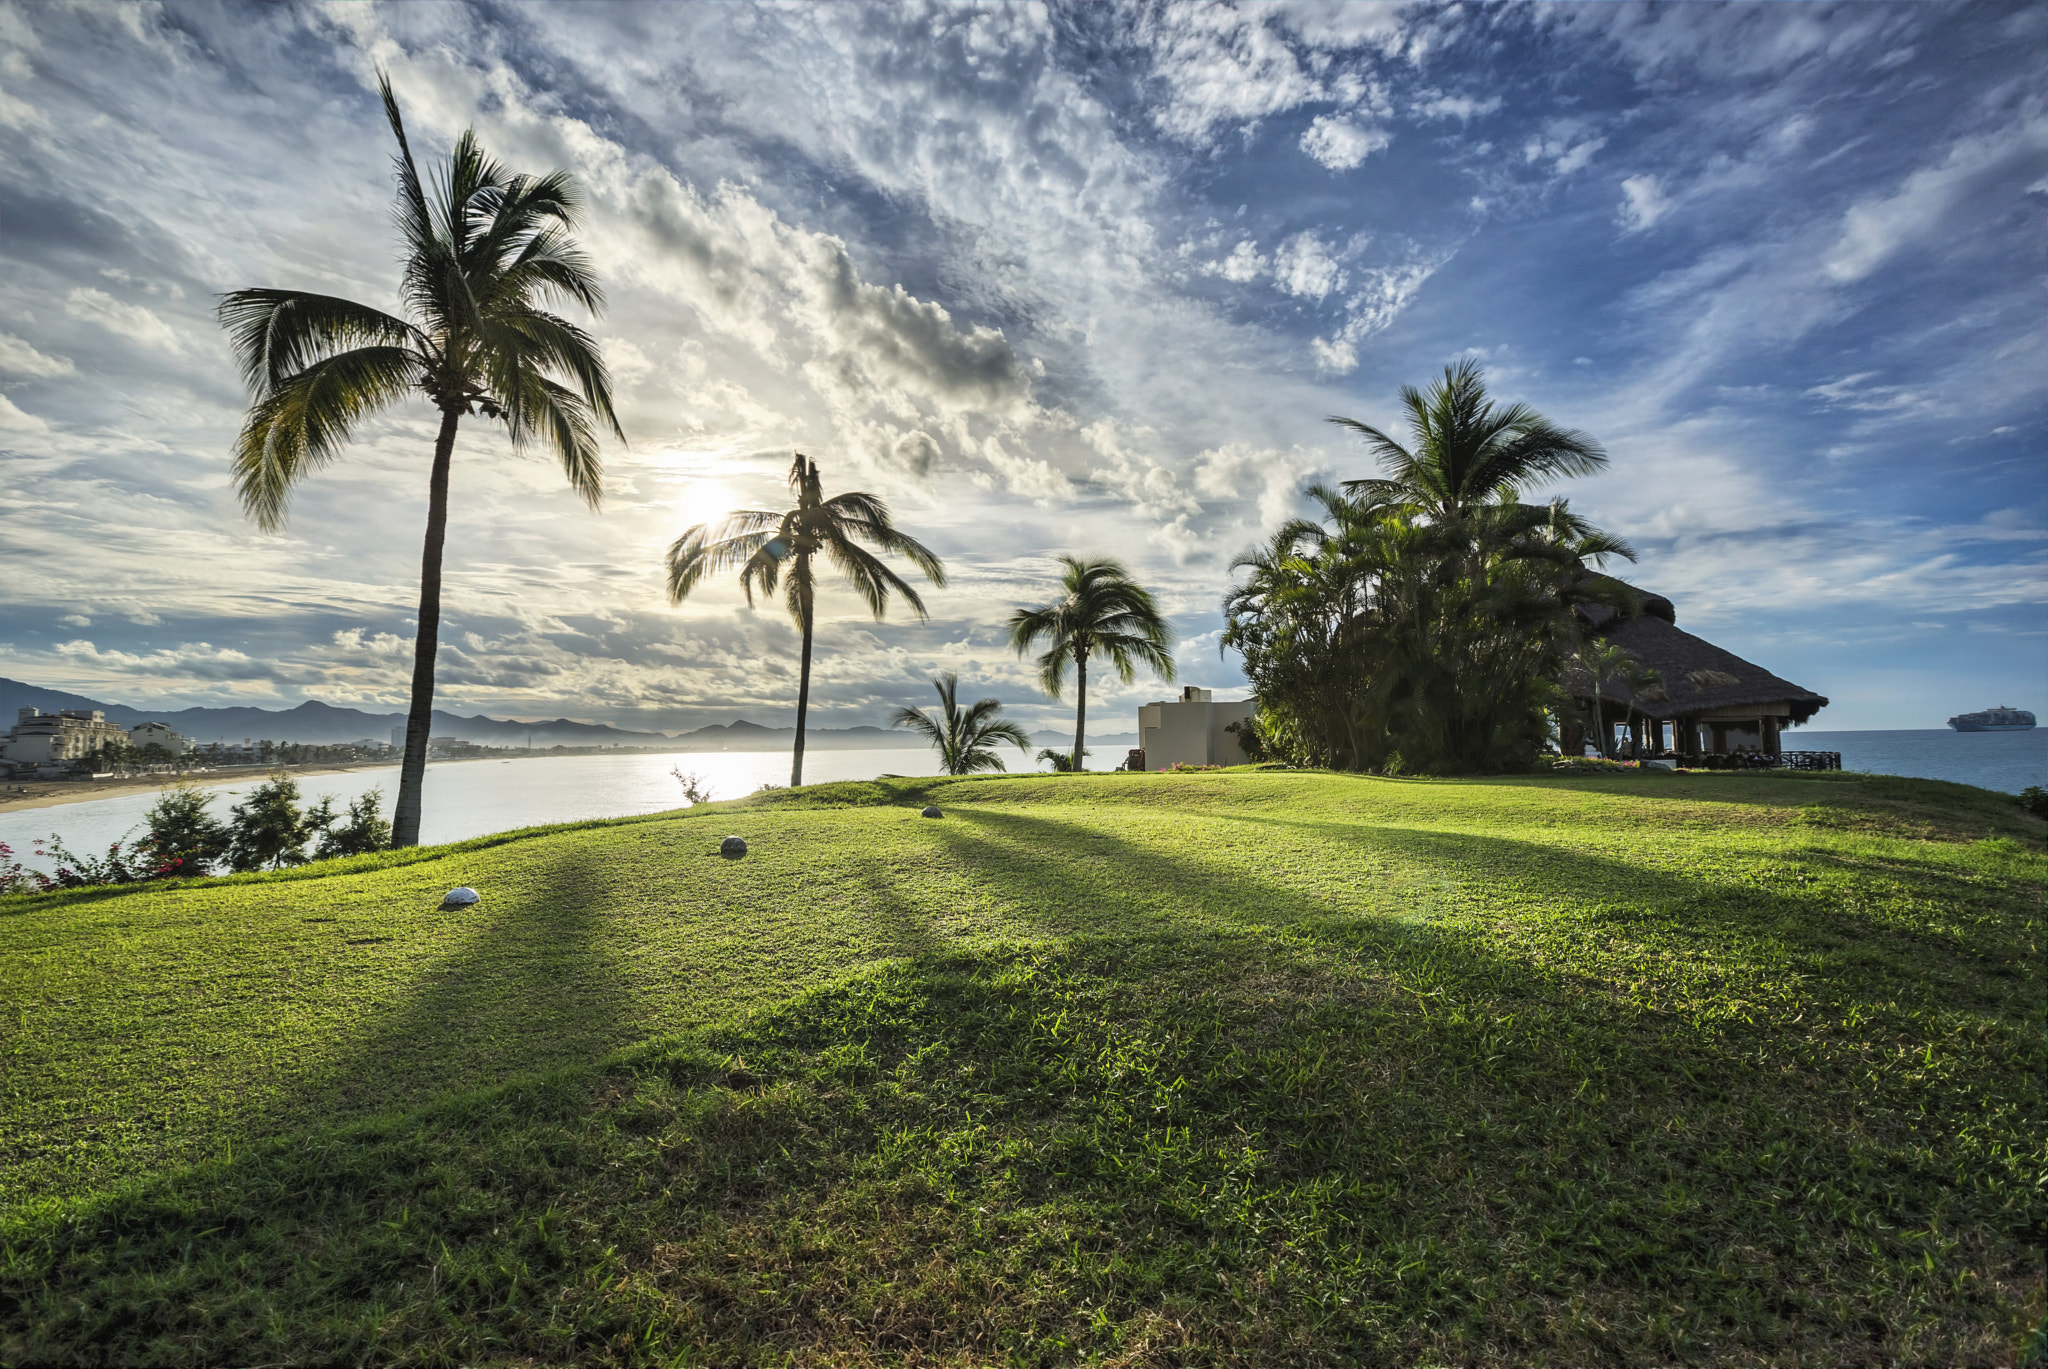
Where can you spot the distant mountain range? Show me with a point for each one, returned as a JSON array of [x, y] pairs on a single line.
[[320, 724]]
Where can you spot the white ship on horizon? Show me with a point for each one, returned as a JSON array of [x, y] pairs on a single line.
[[1999, 719]]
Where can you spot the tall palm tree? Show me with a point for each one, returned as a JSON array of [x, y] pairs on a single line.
[[759, 542], [485, 250], [964, 738], [1465, 451], [1104, 613]]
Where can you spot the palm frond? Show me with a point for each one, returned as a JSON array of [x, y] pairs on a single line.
[[277, 333], [306, 419], [707, 550], [874, 581]]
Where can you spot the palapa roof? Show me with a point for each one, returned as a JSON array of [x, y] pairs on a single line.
[[1695, 675]]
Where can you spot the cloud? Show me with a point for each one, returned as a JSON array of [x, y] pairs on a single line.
[[1243, 264], [1304, 266], [19, 358], [13, 419], [131, 321], [1643, 203], [914, 452], [1340, 144], [1877, 228]]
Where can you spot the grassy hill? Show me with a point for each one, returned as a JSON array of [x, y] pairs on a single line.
[[1138, 1070]]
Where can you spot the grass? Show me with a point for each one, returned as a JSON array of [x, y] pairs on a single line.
[[1211, 1069]]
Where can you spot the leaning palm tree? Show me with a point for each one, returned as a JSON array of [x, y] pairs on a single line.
[[965, 738], [759, 542], [485, 250], [1104, 613], [1465, 452]]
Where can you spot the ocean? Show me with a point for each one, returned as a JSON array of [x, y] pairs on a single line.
[[2005, 761], [472, 798]]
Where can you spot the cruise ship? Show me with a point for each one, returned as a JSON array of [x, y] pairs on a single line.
[[2000, 719]]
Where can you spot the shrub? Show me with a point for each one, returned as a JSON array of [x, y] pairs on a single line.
[[268, 830], [364, 831], [2034, 799], [184, 839]]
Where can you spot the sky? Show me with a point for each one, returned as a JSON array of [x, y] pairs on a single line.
[[1083, 279]]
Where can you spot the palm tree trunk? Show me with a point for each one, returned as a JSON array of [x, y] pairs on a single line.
[[419, 719], [803, 697], [1080, 704]]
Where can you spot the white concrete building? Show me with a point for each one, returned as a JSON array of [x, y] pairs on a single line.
[[158, 734], [1190, 730], [59, 738]]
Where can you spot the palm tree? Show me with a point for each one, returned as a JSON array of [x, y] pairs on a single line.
[[759, 541], [1105, 613], [964, 738], [1467, 452], [484, 251], [1603, 660]]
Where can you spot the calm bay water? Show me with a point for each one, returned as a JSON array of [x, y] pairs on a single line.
[[2006, 761], [472, 798]]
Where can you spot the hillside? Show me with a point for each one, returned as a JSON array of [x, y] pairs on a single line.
[[319, 724], [1222, 1068]]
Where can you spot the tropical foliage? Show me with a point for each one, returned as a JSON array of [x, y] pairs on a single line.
[[484, 250], [965, 738], [1103, 613], [775, 549], [1420, 624]]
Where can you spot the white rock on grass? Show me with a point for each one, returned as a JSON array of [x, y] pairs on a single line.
[[463, 897]]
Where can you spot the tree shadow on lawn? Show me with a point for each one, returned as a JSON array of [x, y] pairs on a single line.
[[1955, 811], [1246, 1135], [545, 980], [1733, 923]]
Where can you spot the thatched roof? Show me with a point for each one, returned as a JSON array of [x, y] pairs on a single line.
[[1695, 675]]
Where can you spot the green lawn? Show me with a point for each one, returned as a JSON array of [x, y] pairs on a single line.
[[1137, 1070]]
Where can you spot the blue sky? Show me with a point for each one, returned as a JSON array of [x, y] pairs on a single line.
[[1070, 279]]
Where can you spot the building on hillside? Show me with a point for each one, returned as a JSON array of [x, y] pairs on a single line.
[[1191, 730], [60, 738], [1705, 705], [158, 734]]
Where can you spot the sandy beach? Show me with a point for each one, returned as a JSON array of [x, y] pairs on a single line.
[[21, 795]]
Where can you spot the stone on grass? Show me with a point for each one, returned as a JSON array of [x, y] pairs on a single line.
[[463, 897], [733, 846], [931, 810]]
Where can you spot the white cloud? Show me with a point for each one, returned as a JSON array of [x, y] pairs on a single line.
[[1304, 266], [20, 358], [1341, 144], [1875, 229], [131, 321], [1643, 203], [13, 419], [1243, 264]]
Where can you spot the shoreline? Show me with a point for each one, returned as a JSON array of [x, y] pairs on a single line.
[[56, 793]]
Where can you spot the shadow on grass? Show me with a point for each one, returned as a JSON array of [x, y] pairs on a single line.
[[1071, 1152], [1740, 925], [533, 985]]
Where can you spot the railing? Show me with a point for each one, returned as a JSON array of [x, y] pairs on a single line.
[[1756, 760]]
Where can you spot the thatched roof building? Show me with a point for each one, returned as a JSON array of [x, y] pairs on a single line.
[[1709, 700]]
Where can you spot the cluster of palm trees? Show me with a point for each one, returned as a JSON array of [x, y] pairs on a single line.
[[489, 257], [1421, 624]]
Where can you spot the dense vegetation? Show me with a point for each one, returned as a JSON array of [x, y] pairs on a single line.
[[1421, 626], [1205, 1069]]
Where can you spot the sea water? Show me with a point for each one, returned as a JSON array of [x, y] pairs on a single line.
[[2005, 761], [470, 798]]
